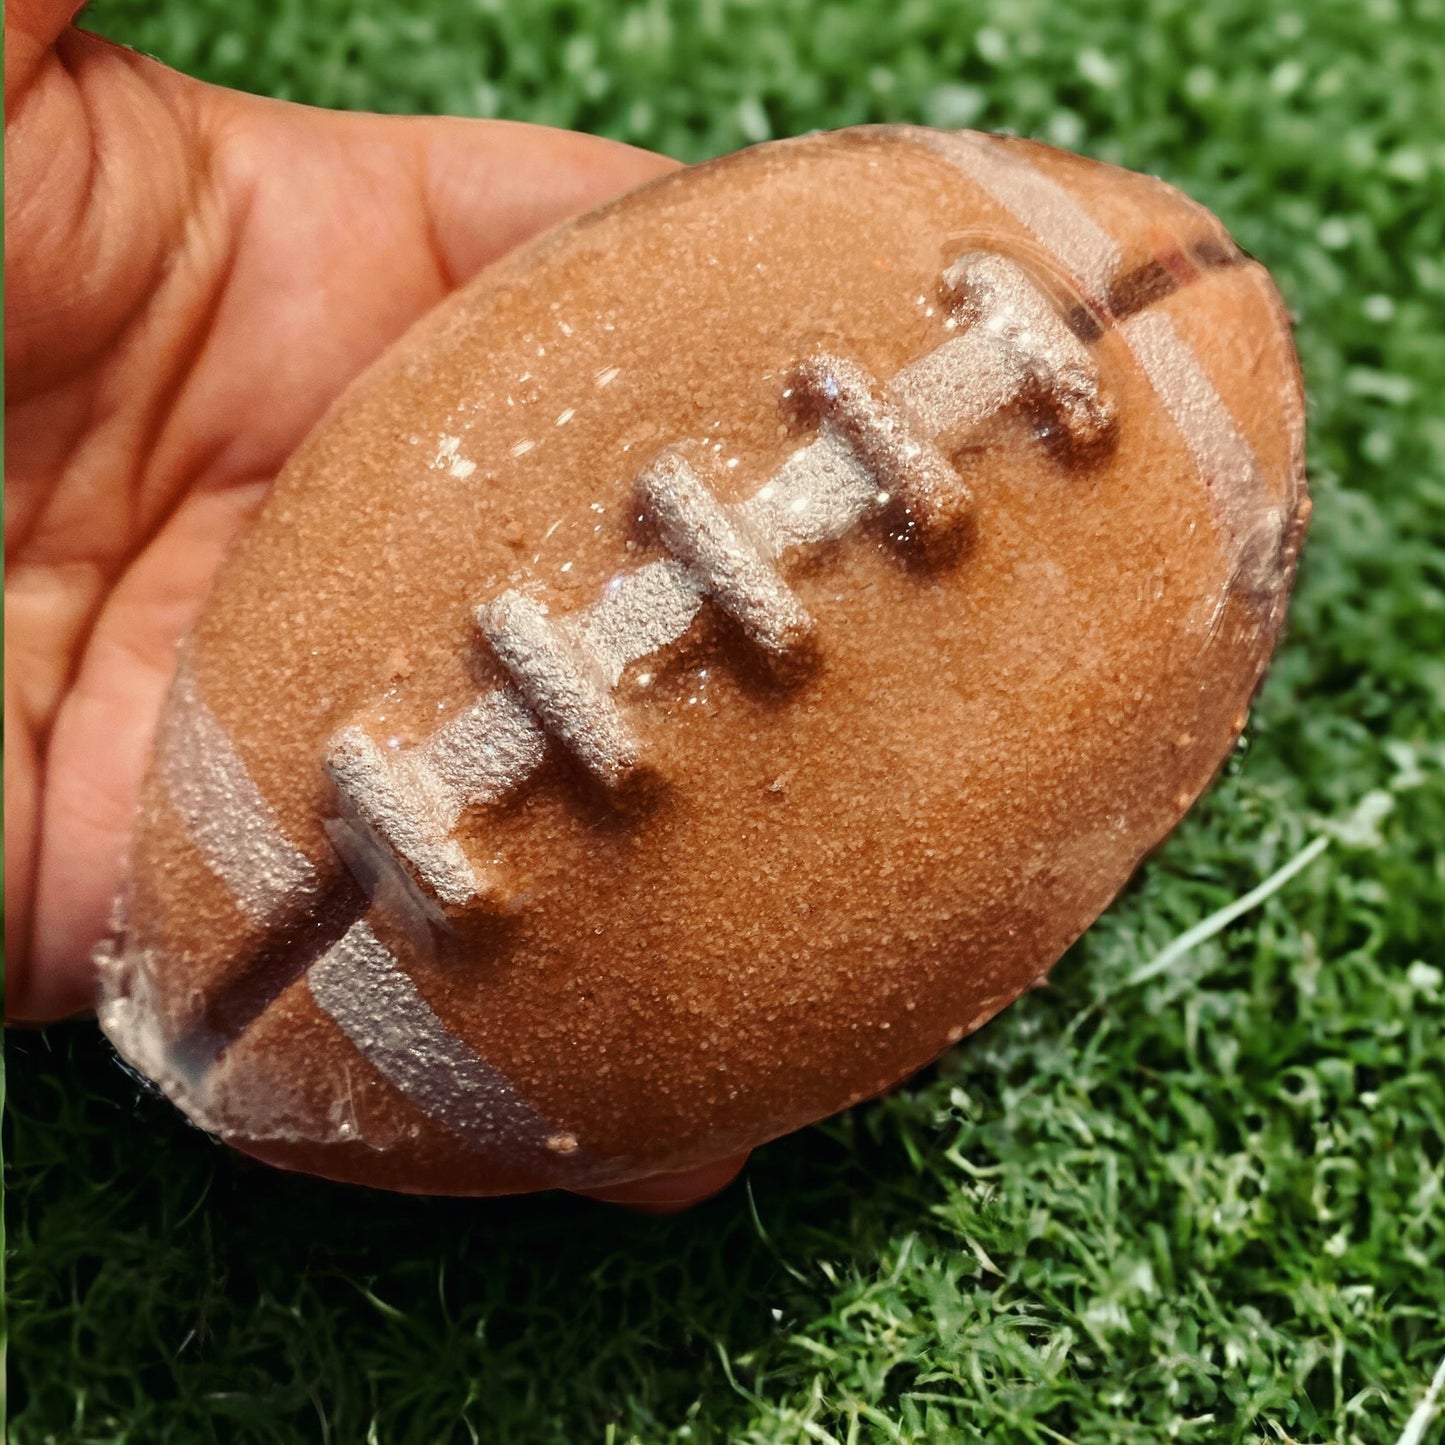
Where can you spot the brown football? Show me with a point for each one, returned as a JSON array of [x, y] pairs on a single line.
[[711, 664]]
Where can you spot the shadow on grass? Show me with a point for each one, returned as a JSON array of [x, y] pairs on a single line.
[[159, 1279]]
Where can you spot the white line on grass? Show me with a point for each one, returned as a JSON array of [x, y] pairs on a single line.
[[1217, 922], [1424, 1412]]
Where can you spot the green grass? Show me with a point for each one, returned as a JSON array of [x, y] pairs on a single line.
[[1201, 1205]]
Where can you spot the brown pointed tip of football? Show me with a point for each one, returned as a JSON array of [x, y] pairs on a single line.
[[715, 661]]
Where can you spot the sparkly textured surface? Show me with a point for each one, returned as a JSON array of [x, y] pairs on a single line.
[[733, 569], [821, 880], [562, 684], [359, 985], [902, 461], [229, 820], [1016, 348]]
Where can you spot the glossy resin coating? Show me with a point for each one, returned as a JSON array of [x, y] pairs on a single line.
[[712, 663]]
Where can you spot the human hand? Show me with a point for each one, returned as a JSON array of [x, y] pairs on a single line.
[[192, 275]]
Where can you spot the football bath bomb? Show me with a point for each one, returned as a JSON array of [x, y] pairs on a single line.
[[711, 664]]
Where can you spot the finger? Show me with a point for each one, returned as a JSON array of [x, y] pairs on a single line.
[[31, 28], [669, 1193], [101, 741], [22, 779], [491, 185], [350, 227], [89, 242], [41, 19], [482, 186]]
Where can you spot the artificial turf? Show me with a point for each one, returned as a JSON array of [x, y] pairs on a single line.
[[1202, 1202]]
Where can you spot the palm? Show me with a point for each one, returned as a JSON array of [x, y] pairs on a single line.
[[193, 275]]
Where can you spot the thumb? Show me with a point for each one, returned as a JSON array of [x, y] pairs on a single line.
[[31, 28], [488, 186]]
